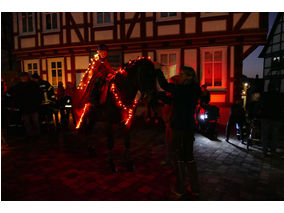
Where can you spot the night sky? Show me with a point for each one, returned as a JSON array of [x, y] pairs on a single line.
[[252, 64]]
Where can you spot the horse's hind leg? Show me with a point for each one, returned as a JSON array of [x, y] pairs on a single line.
[[128, 161], [110, 143]]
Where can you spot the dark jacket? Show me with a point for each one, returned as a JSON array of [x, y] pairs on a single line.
[[28, 96], [185, 99]]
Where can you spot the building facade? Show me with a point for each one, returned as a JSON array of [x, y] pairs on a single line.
[[273, 54], [58, 46]]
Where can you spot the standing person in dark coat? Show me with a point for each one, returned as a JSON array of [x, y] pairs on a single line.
[[28, 96], [185, 98], [237, 116], [272, 116]]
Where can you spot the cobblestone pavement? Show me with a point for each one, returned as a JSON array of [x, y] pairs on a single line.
[[58, 167]]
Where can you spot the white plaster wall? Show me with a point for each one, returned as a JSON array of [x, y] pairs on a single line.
[[149, 29], [129, 15], [136, 31], [190, 25], [81, 62], [168, 30], [190, 58], [68, 63], [236, 18], [51, 39], [131, 56], [27, 42], [43, 64], [78, 18], [209, 26], [103, 35], [252, 21]]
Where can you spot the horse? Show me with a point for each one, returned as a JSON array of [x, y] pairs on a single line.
[[135, 76]]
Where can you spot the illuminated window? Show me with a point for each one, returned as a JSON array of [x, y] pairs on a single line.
[[51, 21], [170, 60], [56, 72], [214, 67], [27, 22], [32, 68]]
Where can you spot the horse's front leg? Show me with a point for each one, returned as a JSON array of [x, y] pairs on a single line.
[[110, 144], [127, 157]]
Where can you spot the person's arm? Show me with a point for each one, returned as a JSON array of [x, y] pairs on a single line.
[[164, 83]]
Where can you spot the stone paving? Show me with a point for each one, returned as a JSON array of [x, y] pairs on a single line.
[[58, 168]]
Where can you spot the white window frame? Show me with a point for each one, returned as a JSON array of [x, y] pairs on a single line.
[[168, 52], [21, 25], [103, 24], [169, 18], [223, 86], [26, 64], [45, 30], [49, 62]]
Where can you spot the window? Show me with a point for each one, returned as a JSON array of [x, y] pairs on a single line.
[[166, 14], [56, 72], [103, 18], [213, 67], [276, 62], [51, 21], [32, 68], [170, 60], [27, 22]]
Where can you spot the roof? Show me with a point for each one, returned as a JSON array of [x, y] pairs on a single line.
[[270, 36]]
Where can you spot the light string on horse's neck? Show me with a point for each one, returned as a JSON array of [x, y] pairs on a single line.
[[129, 110]]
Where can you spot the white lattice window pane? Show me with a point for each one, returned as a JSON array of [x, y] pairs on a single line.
[[173, 59]]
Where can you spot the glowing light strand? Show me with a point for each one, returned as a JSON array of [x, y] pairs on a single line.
[[82, 115]]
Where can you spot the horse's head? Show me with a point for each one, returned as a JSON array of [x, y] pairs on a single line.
[[144, 78]]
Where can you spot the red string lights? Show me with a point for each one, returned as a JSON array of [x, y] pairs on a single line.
[[128, 111], [82, 115]]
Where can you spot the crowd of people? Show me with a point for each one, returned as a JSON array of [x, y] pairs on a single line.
[[32, 103]]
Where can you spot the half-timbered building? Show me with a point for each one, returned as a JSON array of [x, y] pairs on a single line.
[[273, 54], [59, 45]]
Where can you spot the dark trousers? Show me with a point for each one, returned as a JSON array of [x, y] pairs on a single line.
[[182, 143], [31, 123], [233, 122]]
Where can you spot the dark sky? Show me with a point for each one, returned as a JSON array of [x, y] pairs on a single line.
[[252, 64]]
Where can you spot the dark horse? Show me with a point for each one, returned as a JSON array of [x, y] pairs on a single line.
[[137, 75]]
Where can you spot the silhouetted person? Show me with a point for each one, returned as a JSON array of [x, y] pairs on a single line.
[[237, 116], [28, 96], [205, 95], [48, 101], [185, 97], [272, 110]]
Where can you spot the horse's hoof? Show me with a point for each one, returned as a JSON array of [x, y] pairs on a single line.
[[112, 167], [130, 167]]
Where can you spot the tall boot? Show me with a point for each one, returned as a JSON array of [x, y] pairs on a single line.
[[180, 175], [193, 176]]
